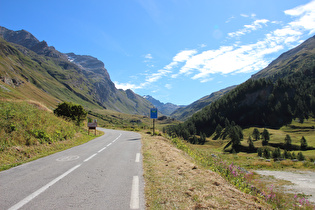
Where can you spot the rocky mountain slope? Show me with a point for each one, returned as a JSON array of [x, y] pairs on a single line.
[[67, 77]]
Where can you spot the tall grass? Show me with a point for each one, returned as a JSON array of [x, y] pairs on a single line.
[[22, 123], [29, 131]]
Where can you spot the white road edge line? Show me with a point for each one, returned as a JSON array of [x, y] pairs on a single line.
[[89, 158], [41, 190], [134, 200], [137, 157]]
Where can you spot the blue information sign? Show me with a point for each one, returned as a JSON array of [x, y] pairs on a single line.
[[153, 113]]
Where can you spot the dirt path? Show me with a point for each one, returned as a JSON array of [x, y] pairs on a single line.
[[303, 181]]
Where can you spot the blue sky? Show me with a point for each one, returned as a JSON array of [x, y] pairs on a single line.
[[174, 50]]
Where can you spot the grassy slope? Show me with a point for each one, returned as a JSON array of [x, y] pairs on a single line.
[[29, 131], [186, 112], [31, 68]]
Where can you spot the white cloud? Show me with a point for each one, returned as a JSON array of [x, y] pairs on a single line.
[[148, 56], [257, 24], [236, 57], [156, 76], [229, 19], [126, 86], [306, 17], [247, 16], [248, 58], [184, 55], [168, 86]]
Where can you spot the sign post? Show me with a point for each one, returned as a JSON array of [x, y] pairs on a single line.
[[153, 115], [92, 126]]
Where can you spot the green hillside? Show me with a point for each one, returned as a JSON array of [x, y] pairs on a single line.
[[298, 58], [66, 77], [187, 111], [270, 102], [37, 77], [29, 130], [260, 103]]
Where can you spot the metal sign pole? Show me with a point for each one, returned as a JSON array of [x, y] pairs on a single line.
[[153, 115]]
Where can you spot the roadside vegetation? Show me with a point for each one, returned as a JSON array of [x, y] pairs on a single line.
[[289, 148], [29, 130], [176, 179], [248, 182]]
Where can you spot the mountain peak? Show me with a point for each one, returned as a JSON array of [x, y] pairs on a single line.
[[80, 78], [21, 37]]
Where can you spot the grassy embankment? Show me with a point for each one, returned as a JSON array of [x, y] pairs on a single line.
[[29, 130], [175, 181]]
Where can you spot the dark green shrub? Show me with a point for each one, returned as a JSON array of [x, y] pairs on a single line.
[[71, 111], [300, 156]]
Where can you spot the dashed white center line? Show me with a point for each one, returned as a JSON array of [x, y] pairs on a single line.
[[89, 158], [117, 137], [102, 149], [41, 190], [134, 200]]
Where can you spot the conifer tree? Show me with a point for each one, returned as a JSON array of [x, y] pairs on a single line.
[[250, 142], [288, 142], [265, 137], [256, 134], [303, 143]]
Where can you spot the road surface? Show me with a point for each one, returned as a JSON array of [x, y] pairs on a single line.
[[105, 173], [303, 181]]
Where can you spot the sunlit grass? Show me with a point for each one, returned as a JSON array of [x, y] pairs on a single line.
[[28, 130]]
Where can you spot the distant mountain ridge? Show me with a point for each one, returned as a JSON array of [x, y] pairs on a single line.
[[71, 77], [166, 109], [185, 112]]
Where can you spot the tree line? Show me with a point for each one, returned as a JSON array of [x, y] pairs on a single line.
[[262, 103]]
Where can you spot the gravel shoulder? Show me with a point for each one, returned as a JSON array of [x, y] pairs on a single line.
[[302, 181]]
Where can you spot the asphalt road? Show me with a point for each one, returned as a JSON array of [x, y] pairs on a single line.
[[105, 173]]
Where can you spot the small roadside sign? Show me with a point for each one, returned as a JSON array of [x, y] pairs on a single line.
[[92, 125], [153, 113]]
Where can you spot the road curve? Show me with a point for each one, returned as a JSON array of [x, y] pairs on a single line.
[[105, 173]]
